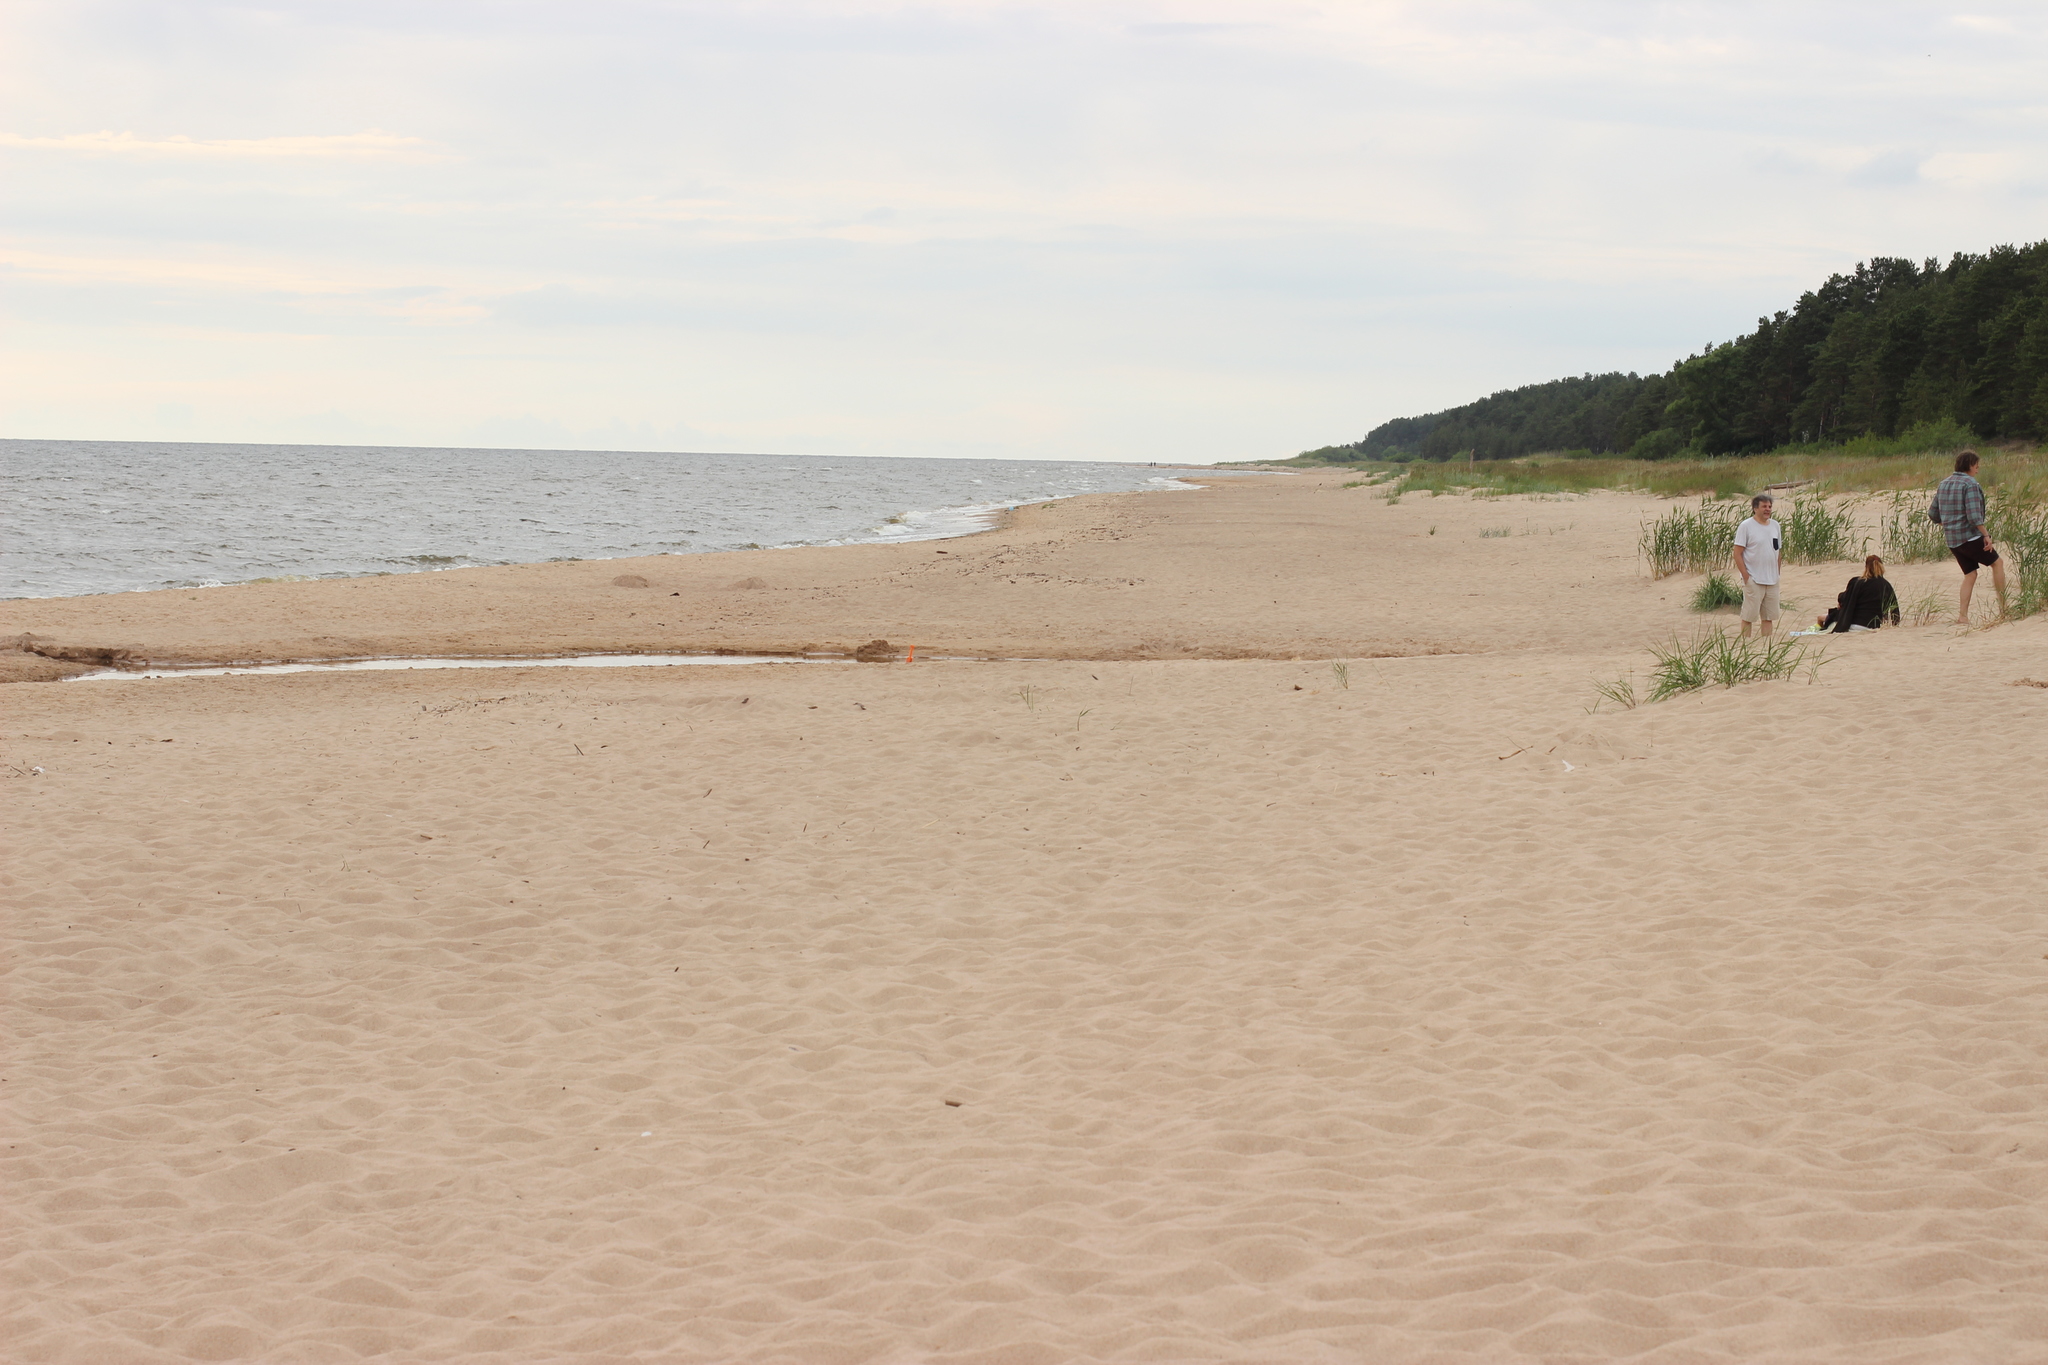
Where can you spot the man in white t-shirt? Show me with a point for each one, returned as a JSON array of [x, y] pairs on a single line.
[[1758, 542]]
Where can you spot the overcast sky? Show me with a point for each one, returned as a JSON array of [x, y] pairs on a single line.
[[1095, 230]]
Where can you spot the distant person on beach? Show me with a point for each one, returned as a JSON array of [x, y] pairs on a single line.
[[1868, 602], [1758, 542], [1959, 507]]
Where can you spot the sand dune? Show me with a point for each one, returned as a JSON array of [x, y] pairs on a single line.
[[1121, 1010]]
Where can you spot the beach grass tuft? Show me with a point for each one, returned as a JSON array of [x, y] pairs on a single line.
[[1714, 660], [1816, 533], [1689, 539], [1718, 591], [1905, 535], [2019, 531], [1621, 692], [1928, 607]]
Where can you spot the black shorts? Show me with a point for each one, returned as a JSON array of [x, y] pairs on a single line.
[[1972, 555]]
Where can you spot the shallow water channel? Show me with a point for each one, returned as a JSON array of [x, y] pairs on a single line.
[[391, 665]]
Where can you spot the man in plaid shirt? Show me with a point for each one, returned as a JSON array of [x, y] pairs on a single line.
[[1959, 507]]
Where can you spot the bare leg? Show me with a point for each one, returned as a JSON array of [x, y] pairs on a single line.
[[1768, 623], [1969, 585], [1745, 630], [1998, 582]]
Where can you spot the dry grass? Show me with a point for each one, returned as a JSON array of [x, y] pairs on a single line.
[[2021, 474]]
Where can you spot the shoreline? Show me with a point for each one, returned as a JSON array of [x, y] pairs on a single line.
[[827, 505], [983, 518], [1302, 567], [82, 642]]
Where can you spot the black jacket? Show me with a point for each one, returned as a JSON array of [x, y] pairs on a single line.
[[1868, 602]]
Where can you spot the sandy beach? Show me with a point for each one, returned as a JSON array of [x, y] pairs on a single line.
[[1121, 984]]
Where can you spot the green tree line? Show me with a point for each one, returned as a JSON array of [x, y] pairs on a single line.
[[1875, 353]]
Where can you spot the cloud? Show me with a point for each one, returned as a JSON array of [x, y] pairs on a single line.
[[2002, 170], [371, 145], [1202, 228], [1187, 30], [1897, 167], [309, 284]]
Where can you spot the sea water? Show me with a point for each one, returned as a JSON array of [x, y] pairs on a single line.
[[122, 516]]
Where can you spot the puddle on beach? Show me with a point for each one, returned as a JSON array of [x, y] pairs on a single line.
[[389, 665]]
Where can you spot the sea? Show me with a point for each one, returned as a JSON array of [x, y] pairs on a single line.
[[85, 517]]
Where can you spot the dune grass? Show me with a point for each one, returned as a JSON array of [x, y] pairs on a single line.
[[1717, 591], [1905, 535], [1818, 532], [1930, 606], [2020, 534], [1690, 539], [1866, 466], [1826, 494], [2017, 520], [1713, 660]]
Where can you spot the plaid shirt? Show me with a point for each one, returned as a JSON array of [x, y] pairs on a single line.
[[1960, 500]]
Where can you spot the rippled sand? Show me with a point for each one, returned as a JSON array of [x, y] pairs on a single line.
[[1077, 1010]]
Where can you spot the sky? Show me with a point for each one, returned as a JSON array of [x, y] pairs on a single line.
[[1108, 229]]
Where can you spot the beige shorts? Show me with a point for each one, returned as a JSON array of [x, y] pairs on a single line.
[[1759, 599]]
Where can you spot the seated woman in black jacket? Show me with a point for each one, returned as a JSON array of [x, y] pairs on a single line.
[[1868, 601]]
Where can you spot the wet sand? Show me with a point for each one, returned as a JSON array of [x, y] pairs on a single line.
[[1165, 999]]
